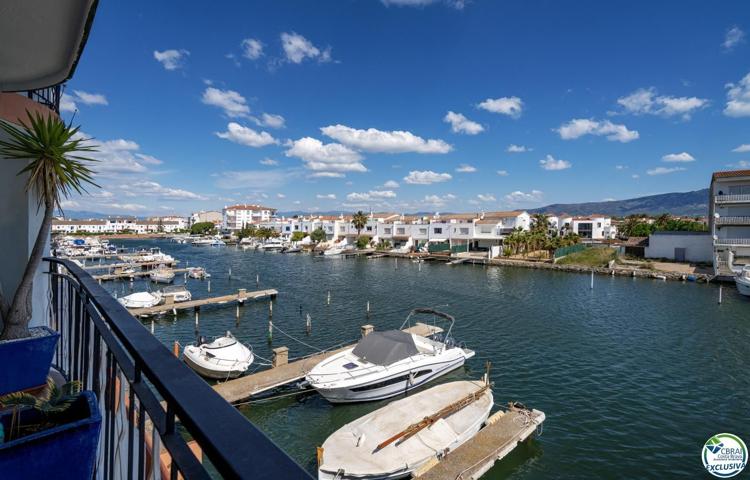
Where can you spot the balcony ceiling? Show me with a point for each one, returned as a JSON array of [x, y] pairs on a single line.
[[41, 41]]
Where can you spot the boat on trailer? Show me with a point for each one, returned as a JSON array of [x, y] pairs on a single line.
[[141, 300], [395, 440], [389, 363], [224, 357]]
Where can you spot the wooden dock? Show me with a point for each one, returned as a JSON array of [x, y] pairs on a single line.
[[239, 297], [242, 388], [504, 430]]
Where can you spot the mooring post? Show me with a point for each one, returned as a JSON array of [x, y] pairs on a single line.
[[592, 279], [257, 280], [366, 329], [270, 330], [176, 349], [237, 313], [270, 309], [328, 300], [209, 285], [308, 324], [197, 315], [230, 273], [368, 308], [152, 327], [720, 292], [280, 356]]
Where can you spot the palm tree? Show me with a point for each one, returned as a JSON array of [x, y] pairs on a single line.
[[540, 223], [55, 170], [359, 220]]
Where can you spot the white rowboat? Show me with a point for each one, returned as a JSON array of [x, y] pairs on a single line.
[[224, 357]]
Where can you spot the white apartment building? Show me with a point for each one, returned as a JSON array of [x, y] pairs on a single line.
[[729, 220], [180, 222], [237, 217], [116, 225], [592, 227]]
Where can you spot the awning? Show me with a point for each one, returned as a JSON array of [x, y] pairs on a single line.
[[385, 348]]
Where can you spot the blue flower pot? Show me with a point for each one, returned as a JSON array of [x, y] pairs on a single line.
[[67, 450], [26, 361]]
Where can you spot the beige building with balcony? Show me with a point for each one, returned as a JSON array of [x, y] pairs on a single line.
[[729, 220]]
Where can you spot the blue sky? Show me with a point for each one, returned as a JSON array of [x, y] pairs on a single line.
[[409, 105]]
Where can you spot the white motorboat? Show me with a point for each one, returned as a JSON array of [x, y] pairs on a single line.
[[224, 357], [217, 242], [162, 275], [197, 272], [394, 441], [338, 249], [178, 293], [389, 363], [202, 242], [294, 249], [742, 280], [141, 300], [272, 245]]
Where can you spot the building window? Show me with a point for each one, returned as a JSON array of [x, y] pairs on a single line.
[[464, 231], [437, 231], [423, 231], [400, 231], [368, 228]]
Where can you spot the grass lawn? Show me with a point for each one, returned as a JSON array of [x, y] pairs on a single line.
[[591, 257]]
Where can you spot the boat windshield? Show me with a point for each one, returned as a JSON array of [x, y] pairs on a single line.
[[385, 348]]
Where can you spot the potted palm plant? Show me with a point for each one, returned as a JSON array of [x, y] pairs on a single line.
[[46, 435], [54, 169]]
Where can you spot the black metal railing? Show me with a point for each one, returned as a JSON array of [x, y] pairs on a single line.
[[49, 97], [149, 398]]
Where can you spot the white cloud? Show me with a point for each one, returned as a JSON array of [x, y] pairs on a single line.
[[524, 197], [69, 204], [269, 162], [645, 101], [512, 148], [330, 157], [128, 207], [426, 177], [511, 106], [297, 48], [742, 148], [378, 141], [486, 197], [252, 48], [328, 175], [621, 167], [171, 59], [461, 124], [246, 136], [117, 156], [280, 196], [154, 189], [239, 179], [635, 176], [371, 196], [742, 164], [465, 168], [551, 163], [502, 173], [68, 103], [270, 120], [327, 196], [733, 37], [678, 157], [437, 200], [90, 98], [391, 184], [233, 104], [663, 170], [579, 127], [738, 98]]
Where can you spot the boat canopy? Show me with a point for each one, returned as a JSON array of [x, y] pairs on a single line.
[[385, 348]]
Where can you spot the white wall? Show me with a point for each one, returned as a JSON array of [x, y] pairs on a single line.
[[699, 247]]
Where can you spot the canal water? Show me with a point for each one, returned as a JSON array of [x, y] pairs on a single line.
[[634, 376]]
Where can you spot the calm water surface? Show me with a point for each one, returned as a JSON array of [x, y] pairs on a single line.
[[634, 376]]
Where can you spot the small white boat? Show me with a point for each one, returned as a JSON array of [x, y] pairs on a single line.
[[271, 245], [224, 357], [338, 249], [178, 293], [217, 242], [386, 364], [197, 272], [394, 441], [742, 280], [141, 300], [295, 249], [202, 242], [162, 275]]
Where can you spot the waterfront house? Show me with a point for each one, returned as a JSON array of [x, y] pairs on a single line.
[[206, 216], [729, 220], [237, 217], [589, 227]]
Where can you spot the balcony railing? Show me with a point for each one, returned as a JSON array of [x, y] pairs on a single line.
[[733, 220], [731, 242], [744, 198], [49, 97], [148, 397]]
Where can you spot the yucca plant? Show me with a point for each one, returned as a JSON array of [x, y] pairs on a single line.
[[55, 170]]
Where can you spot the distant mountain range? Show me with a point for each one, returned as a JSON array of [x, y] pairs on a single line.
[[678, 203]]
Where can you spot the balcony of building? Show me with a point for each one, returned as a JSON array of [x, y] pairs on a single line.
[[731, 199], [733, 220]]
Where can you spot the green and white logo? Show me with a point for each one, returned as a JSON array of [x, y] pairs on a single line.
[[724, 455]]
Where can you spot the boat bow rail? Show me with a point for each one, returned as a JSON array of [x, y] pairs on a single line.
[[110, 352]]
